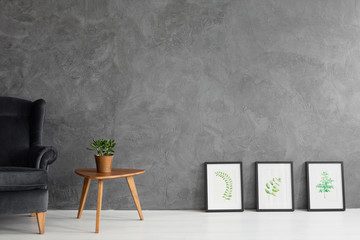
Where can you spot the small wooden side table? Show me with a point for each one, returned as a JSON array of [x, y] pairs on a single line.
[[90, 173]]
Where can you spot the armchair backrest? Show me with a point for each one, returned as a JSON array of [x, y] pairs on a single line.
[[21, 126]]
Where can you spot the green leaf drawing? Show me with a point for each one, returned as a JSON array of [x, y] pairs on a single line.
[[228, 188], [272, 187], [325, 184]]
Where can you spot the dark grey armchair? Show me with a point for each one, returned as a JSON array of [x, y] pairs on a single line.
[[23, 160]]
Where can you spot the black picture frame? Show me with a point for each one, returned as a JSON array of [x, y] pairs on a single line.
[[308, 186], [258, 209], [207, 185]]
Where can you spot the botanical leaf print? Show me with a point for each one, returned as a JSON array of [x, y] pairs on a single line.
[[272, 187], [325, 184], [229, 186]]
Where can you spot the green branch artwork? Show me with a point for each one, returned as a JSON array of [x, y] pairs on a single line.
[[272, 187], [228, 188], [325, 184]]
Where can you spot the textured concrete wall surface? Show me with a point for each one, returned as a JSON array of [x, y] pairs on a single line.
[[179, 83]]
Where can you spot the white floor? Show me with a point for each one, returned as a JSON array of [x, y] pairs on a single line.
[[182, 225]]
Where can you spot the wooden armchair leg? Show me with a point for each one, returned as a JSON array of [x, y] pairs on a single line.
[[32, 214], [41, 221]]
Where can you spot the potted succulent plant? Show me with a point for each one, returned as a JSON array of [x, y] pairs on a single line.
[[105, 152]]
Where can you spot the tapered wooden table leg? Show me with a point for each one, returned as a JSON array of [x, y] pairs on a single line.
[[131, 183], [83, 196], [40, 216], [99, 202]]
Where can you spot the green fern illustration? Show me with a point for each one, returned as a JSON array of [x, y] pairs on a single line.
[[325, 184], [272, 187], [228, 189]]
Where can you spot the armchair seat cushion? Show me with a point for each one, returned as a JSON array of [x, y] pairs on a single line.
[[22, 178]]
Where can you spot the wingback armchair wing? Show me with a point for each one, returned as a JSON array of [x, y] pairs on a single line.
[[24, 161]]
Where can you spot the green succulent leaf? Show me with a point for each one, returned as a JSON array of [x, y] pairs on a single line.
[[103, 147]]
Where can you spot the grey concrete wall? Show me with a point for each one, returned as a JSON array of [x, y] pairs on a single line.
[[178, 83]]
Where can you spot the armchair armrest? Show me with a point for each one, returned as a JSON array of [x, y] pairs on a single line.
[[42, 156]]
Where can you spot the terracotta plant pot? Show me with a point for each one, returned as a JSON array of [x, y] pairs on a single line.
[[103, 163]]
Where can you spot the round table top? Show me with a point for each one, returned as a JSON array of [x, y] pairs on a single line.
[[115, 173]]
